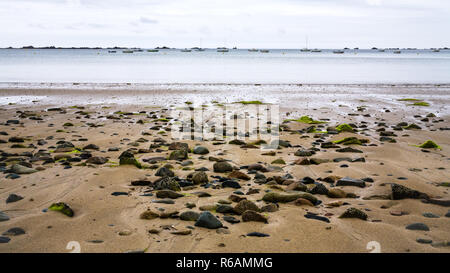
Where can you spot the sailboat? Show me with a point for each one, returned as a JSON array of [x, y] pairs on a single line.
[[306, 48]]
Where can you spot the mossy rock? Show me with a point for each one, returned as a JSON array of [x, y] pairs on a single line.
[[279, 161], [274, 197], [344, 127], [354, 213], [351, 141], [429, 144], [130, 161], [63, 208], [68, 124], [420, 103], [412, 126], [307, 120], [149, 215], [178, 155], [250, 102]]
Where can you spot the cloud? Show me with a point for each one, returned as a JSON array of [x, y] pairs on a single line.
[[250, 23]]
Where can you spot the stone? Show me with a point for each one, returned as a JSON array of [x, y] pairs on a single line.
[[239, 175], [348, 150], [284, 198], [245, 205], [13, 198], [148, 215], [179, 146], [200, 150], [63, 208], [178, 155], [296, 186], [430, 215], [3, 217], [91, 147], [127, 158], [318, 188], [4, 239], [231, 184], [231, 219], [253, 216], [257, 234], [164, 172], [199, 178], [182, 232], [402, 192], [317, 217], [99, 160], [167, 183], [221, 208], [418, 226], [208, 220], [336, 193], [354, 213], [222, 167], [20, 169], [189, 215], [168, 194], [424, 241], [347, 181], [303, 201]]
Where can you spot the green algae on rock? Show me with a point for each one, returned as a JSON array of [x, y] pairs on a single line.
[[351, 141], [127, 158], [307, 120], [344, 127], [63, 208], [429, 144]]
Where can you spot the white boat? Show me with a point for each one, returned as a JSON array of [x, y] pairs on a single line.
[[338, 51], [222, 50], [264, 51], [316, 50], [253, 50]]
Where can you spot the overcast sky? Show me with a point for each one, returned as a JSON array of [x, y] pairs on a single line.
[[212, 23]]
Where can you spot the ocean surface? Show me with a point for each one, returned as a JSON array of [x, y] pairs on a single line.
[[238, 66]]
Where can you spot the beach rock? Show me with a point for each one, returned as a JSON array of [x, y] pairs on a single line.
[[142, 183], [237, 142], [446, 215], [167, 201], [245, 205], [252, 216], [164, 172], [168, 194], [317, 217], [97, 160], [429, 215], [199, 177], [20, 169], [304, 153], [182, 232], [91, 147], [16, 139], [4, 239], [178, 155], [318, 188], [13, 198], [189, 215], [402, 192], [167, 183], [119, 193], [15, 231], [424, 241], [231, 219], [127, 158], [222, 167], [418, 226], [348, 150], [148, 215], [296, 186], [354, 213], [439, 202], [179, 146], [208, 220], [269, 208], [63, 208], [257, 167], [235, 198], [284, 198], [221, 208], [200, 150], [347, 181], [239, 175], [231, 184], [257, 234], [3, 217]]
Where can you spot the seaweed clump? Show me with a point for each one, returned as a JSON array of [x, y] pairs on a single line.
[[63, 208], [344, 127], [429, 144]]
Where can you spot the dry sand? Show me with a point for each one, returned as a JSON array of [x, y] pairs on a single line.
[[100, 217]]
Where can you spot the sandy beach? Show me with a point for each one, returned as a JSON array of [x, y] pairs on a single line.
[[63, 145]]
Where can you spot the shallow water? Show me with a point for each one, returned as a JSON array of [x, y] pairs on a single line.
[[234, 67]]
